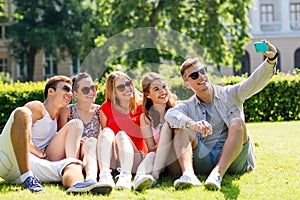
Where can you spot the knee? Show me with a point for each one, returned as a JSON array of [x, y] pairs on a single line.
[[150, 155], [121, 135], [22, 120], [180, 133], [237, 125], [77, 124], [90, 143], [106, 133], [23, 115]]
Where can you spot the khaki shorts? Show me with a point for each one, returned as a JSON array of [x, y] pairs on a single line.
[[44, 170]]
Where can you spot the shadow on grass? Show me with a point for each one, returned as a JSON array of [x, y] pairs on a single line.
[[9, 187], [229, 189]]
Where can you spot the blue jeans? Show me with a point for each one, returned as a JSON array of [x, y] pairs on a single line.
[[205, 159]]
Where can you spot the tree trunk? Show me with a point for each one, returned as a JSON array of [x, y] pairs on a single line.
[[31, 63]]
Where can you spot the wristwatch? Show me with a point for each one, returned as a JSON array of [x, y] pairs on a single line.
[[271, 60], [276, 55]]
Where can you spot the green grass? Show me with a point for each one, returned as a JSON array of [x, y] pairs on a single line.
[[276, 176]]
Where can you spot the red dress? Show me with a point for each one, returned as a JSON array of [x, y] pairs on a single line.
[[118, 121]]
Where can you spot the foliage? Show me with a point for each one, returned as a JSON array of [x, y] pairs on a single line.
[[278, 101], [5, 77], [49, 25], [220, 27], [276, 175], [17, 94]]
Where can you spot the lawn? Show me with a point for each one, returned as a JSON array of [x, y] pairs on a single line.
[[276, 176]]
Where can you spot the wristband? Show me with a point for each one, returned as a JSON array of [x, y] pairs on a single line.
[[276, 55]]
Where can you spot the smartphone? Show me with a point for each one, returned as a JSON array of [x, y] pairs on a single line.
[[261, 47]]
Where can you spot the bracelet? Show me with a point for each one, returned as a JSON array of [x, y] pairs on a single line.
[[276, 55]]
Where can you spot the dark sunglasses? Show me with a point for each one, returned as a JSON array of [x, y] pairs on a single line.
[[86, 90], [66, 88], [121, 87], [195, 75]]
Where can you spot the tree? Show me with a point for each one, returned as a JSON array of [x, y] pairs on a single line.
[[219, 26], [49, 25]]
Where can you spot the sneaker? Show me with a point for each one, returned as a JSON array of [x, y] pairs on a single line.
[[33, 184], [124, 180], [142, 182], [106, 177], [186, 181], [90, 186], [213, 182], [154, 183]]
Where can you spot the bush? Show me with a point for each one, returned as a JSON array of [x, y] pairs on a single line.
[[279, 101]]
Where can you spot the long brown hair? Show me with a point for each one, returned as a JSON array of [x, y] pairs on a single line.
[[111, 87], [152, 114]]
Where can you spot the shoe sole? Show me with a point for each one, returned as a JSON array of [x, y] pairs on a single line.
[[211, 186], [102, 190], [122, 188], [182, 185], [145, 184], [99, 188]]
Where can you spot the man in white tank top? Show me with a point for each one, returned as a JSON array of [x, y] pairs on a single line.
[[31, 151]]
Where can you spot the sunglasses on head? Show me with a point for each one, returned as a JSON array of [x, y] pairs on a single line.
[[121, 87], [65, 88], [195, 75], [86, 90]]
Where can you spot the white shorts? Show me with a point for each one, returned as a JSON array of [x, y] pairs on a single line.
[[44, 170]]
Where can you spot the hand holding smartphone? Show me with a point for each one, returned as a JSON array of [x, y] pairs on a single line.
[[261, 47]]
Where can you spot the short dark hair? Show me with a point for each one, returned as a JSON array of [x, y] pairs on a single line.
[[77, 78], [52, 83]]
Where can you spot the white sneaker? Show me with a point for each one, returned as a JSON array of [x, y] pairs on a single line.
[[186, 181], [213, 182], [142, 182], [106, 177], [124, 180]]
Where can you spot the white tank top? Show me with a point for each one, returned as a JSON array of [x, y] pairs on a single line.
[[43, 130]]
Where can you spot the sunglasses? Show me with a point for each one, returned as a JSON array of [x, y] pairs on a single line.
[[66, 88], [195, 75], [86, 90], [121, 87]]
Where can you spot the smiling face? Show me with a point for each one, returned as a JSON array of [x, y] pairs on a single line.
[[62, 93], [86, 90], [123, 88], [195, 77], [158, 92]]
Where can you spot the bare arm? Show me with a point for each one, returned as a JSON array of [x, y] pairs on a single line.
[[63, 117], [103, 120], [147, 133]]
